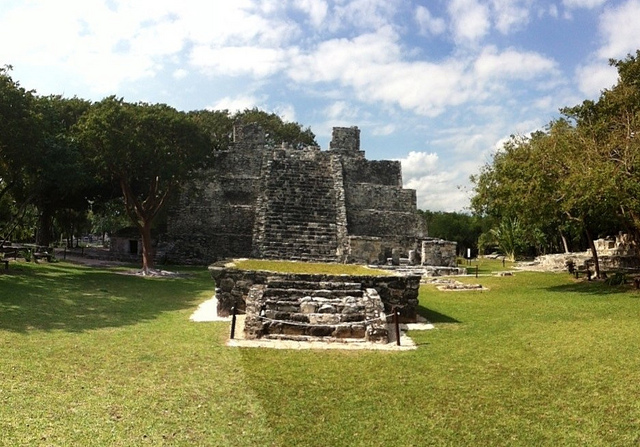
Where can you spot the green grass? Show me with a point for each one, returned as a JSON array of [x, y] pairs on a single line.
[[485, 266], [307, 267], [93, 358]]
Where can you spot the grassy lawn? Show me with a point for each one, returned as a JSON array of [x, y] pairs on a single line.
[[93, 358], [308, 267]]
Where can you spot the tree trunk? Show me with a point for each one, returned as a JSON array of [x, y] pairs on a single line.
[[45, 225], [564, 242], [147, 249], [592, 245]]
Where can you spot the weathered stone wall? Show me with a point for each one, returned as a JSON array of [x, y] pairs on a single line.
[[377, 172], [369, 196], [293, 204], [303, 310], [233, 285], [382, 223], [215, 216], [346, 141], [378, 250], [298, 212], [438, 252]]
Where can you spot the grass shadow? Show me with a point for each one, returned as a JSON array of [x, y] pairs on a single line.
[[594, 288], [74, 298], [433, 316]]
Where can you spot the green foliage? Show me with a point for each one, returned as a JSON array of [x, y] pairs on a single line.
[[146, 150], [218, 124], [459, 227], [617, 279], [510, 238], [578, 176], [277, 130]]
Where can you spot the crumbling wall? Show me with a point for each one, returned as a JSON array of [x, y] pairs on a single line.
[[233, 285], [288, 203], [438, 252]]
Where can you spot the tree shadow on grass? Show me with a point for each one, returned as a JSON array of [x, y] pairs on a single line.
[[79, 298], [592, 288], [433, 316]]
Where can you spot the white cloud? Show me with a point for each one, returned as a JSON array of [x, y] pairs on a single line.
[[234, 61], [417, 164], [510, 14], [285, 111], [180, 73], [470, 20], [435, 186], [438, 191], [235, 23], [386, 129], [589, 4], [340, 111], [512, 64], [619, 27], [238, 103], [316, 9], [594, 78], [429, 24], [362, 14]]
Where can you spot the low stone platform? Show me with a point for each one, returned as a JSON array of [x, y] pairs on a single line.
[[406, 342]]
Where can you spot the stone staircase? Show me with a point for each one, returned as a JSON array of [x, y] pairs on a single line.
[[297, 216], [315, 310]]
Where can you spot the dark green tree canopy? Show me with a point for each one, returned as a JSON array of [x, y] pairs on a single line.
[[147, 150], [218, 124], [582, 172]]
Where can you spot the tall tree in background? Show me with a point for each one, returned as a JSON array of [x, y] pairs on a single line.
[[218, 124], [61, 181], [462, 228], [18, 139], [582, 173], [147, 150]]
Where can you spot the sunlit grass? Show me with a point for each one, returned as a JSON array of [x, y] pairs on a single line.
[[95, 358], [307, 267]]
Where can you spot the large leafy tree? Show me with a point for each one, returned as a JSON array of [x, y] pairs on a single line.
[[18, 139], [520, 185], [459, 227], [61, 181], [40, 167], [218, 124], [147, 150], [582, 173]]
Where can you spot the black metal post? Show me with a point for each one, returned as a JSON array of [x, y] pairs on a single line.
[[397, 325], [233, 322]]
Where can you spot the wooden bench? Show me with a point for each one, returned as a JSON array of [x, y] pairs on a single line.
[[42, 255], [6, 263]]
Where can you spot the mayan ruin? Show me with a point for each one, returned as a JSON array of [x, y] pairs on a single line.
[[306, 204]]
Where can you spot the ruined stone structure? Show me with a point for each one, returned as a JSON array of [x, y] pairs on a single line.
[[618, 253], [300, 204], [438, 252], [287, 305]]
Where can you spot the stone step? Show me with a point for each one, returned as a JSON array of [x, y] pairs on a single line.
[[314, 293], [309, 338], [327, 285]]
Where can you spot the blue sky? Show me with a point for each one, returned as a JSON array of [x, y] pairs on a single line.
[[436, 84]]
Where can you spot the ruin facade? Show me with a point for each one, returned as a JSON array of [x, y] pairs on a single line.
[[265, 201]]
